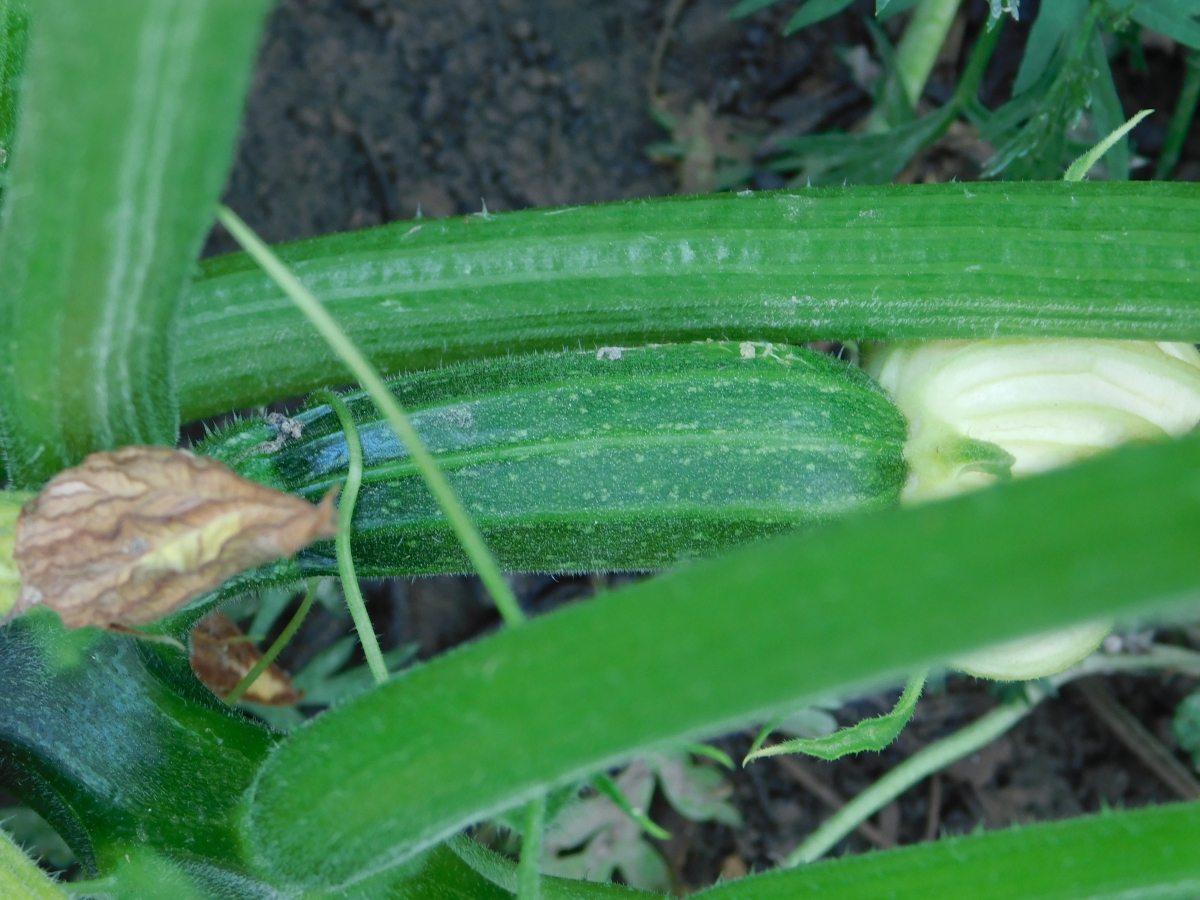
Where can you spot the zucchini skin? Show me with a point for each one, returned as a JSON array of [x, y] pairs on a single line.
[[581, 461]]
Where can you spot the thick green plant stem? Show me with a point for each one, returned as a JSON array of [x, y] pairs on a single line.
[[13, 36], [1181, 119], [529, 877], [366, 374], [80, 705], [719, 645], [128, 116], [889, 262], [1144, 853], [922, 42], [345, 558], [917, 767], [20, 879], [276, 648]]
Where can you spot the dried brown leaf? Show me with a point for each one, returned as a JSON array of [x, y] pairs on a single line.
[[222, 656], [129, 536]]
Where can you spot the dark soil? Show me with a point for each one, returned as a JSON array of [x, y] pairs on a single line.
[[364, 111]]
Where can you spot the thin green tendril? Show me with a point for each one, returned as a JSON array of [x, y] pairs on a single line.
[[345, 560]]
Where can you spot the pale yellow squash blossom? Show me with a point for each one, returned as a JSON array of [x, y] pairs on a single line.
[[979, 411]]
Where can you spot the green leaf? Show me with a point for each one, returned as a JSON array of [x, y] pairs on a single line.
[[1080, 167], [1147, 853], [1057, 23], [889, 9], [748, 7], [869, 735], [862, 158], [1108, 115], [814, 11], [1186, 726], [129, 113], [718, 645], [1173, 18], [933, 261]]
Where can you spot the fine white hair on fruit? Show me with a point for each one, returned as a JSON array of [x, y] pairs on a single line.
[[979, 411]]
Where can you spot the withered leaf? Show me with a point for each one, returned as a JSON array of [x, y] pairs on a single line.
[[129, 536], [222, 656]]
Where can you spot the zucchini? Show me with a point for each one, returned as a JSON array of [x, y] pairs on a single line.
[[585, 461]]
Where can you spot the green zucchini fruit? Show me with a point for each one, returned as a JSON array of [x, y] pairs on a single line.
[[626, 459]]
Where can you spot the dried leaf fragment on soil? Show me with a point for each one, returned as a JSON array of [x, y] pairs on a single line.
[[129, 536], [222, 656]]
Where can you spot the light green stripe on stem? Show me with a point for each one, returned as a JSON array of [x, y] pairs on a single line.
[[276, 648], [932, 759], [1098, 259], [447, 499], [345, 559]]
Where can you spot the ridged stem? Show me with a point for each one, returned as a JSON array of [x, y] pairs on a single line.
[[1102, 259]]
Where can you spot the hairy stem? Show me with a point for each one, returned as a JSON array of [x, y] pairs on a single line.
[[1107, 260], [529, 878], [345, 559]]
